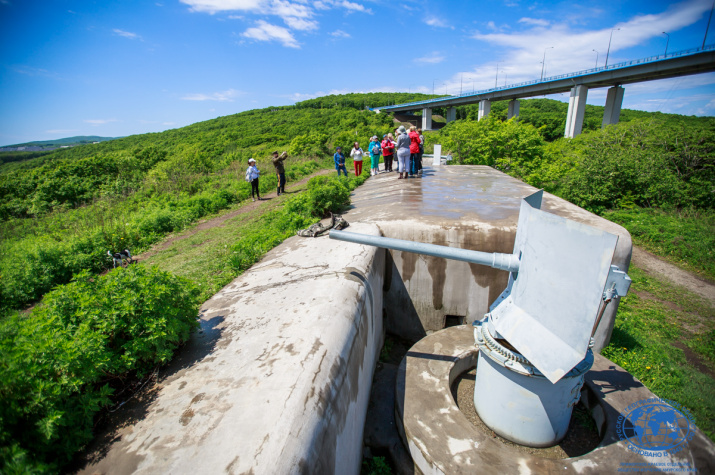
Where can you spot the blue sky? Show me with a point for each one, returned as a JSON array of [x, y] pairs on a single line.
[[116, 68]]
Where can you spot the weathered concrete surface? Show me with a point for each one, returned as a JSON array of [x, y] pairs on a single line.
[[442, 441], [283, 384], [472, 207]]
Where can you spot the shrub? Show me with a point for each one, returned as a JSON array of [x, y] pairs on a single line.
[[58, 363]]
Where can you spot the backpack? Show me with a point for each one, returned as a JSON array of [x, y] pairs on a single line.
[[320, 229]]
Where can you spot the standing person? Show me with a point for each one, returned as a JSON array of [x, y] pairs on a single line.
[[252, 177], [414, 150], [388, 150], [356, 154], [403, 151], [374, 148], [340, 161], [422, 150], [280, 170]]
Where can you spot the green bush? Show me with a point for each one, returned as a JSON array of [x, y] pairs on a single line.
[[58, 365]]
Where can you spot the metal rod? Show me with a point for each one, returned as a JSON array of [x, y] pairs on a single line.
[[508, 262]]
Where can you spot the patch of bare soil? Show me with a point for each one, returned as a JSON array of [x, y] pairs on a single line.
[[219, 220], [656, 266], [581, 438]]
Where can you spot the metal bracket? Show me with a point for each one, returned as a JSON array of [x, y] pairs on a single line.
[[617, 284]]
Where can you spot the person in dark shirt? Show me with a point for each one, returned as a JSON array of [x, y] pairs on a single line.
[[280, 170], [339, 158]]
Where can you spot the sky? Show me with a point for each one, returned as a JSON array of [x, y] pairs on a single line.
[[117, 68]]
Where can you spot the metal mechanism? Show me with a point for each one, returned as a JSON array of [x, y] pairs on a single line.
[[541, 326]]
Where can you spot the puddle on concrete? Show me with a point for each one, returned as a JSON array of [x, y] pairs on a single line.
[[581, 438]]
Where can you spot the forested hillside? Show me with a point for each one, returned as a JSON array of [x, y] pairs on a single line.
[[62, 211]]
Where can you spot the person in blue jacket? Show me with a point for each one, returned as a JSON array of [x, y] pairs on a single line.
[[340, 161], [374, 148]]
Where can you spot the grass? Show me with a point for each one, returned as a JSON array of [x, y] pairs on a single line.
[[686, 237], [204, 257], [665, 336]]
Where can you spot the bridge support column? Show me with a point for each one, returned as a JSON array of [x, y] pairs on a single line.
[[612, 112], [451, 114], [513, 110], [426, 118], [577, 106], [485, 107]]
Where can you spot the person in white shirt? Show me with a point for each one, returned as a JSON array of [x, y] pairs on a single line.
[[252, 177], [356, 153]]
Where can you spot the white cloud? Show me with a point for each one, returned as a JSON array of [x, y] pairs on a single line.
[[264, 31], [354, 7], [534, 22], [99, 121], [433, 58], [438, 22], [340, 34], [301, 23], [126, 34], [215, 6], [225, 96]]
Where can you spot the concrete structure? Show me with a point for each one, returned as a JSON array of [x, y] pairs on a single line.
[[485, 107], [279, 376], [442, 441], [614, 100], [513, 109], [577, 107], [451, 114], [675, 64], [426, 118]]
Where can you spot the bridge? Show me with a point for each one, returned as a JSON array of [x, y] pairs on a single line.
[[613, 76]]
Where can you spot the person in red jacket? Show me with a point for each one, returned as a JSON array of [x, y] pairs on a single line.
[[414, 150], [388, 151]]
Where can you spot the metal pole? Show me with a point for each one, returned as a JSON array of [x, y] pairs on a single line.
[[596, 58], [708, 27], [497, 76], [460, 84], [508, 262], [666, 43], [543, 62], [609, 46]]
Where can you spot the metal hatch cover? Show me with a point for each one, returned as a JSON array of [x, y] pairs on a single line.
[[549, 312]]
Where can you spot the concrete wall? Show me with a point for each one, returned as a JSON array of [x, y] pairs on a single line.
[[280, 375]]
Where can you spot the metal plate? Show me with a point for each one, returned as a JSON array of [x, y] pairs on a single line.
[[549, 313]]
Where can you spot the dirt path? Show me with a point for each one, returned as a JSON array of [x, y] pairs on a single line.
[[219, 220], [654, 265]]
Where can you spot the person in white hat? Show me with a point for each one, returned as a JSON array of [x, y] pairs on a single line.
[[252, 175]]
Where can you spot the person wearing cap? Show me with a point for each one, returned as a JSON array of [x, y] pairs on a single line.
[[388, 150], [339, 158], [280, 170], [403, 151], [252, 177], [356, 154], [374, 149]]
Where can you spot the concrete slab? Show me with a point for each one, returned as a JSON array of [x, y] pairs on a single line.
[[469, 206], [442, 441], [281, 384]]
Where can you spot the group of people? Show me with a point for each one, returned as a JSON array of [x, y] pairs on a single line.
[[252, 174], [409, 148]]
